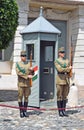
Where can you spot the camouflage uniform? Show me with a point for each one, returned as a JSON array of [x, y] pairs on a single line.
[[62, 80], [24, 89]]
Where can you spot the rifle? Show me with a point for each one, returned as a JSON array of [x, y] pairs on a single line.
[[71, 58], [30, 80]]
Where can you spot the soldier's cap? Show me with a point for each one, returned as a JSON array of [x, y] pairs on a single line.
[[23, 53], [61, 50]]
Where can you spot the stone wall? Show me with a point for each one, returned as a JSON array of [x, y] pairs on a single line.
[[75, 32], [23, 15], [78, 44]]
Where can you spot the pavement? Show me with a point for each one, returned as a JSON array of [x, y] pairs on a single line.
[[38, 119]]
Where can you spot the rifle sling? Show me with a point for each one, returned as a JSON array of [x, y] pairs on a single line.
[[63, 66], [20, 69]]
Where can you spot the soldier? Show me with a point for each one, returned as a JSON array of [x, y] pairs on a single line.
[[62, 81], [24, 73]]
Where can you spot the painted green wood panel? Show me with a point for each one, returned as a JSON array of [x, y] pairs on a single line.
[[48, 37], [35, 39], [62, 26], [29, 39]]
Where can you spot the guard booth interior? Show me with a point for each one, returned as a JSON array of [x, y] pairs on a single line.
[[48, 54], [47, 57]]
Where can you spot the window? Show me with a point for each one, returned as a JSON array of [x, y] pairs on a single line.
[[48, 53], [30, 49]]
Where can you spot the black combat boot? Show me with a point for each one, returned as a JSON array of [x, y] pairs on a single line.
[[60, 108], [25, 109], [64, 108], [21, 110]]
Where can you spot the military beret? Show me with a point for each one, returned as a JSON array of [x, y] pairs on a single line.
[[61, 49], [23, 53]]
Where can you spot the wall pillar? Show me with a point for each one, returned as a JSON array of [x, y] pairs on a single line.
[[78, 44], [23, 20]]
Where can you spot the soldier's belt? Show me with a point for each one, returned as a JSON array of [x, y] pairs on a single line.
[[62, 73]]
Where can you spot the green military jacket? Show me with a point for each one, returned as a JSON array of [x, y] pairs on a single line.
[[62, 67], [22, 70]]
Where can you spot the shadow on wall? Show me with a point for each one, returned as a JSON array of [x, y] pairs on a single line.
[[8, 95]]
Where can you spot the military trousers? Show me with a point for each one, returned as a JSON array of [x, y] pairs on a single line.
[[23, 92], [62, 92]]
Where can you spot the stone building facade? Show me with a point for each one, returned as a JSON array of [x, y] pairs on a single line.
[[69, 11]]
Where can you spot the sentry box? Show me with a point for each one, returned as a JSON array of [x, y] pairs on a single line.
[[41, 37]]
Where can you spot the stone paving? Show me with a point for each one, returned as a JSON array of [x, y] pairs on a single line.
[[40, 120], [37, 120]]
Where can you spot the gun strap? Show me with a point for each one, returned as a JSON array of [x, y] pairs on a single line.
[[63, 66], [20, 69]]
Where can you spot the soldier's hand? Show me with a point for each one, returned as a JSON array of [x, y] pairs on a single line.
[[30, 68], [70, 67], [30, 76], [31, 71]]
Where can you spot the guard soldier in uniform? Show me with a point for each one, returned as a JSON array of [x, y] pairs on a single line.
[[63, 68], [24, 73]]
